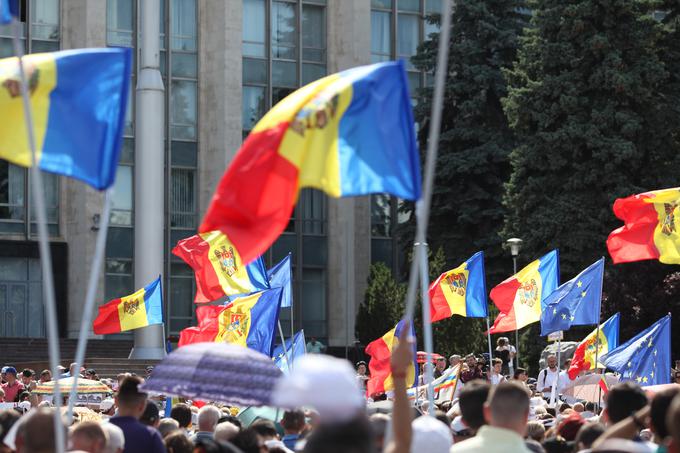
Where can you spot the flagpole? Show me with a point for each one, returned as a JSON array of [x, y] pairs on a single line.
[[427, 324], [488, 336], [88, 308], [285, 349], [597, 350], [553, 391], [43, 241]]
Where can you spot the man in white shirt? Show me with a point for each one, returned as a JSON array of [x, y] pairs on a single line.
[[547, 377]]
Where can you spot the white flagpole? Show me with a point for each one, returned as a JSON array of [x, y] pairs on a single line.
[[285, 349], [88, 308], [488, 336], [43, 240]]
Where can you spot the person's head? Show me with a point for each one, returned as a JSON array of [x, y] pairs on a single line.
[[182, 413], [454, 360], [520, 374], [266, 429], [590, 406], [563, 407], [551, 360], [130, 401], [312, 340], [471, 401], [36, 433], [45, 376], [353, 436], [471, 361], [10, 374], [231, 419], [623, 400], [293, 421], [27, 376], [673, 423], [149, 370], [535, 431], [167, 425], [502, 341], [249, 441], [379, 424], [533, 446], [151, 416], [497, 365], [578, 407], [91, 373], [658, 410], [208, 416], [115, 442], [73, 369], [587, 434], [178, 442], [88, 436], [508, 407], [430, 435], [566, 364], [441, 363], [225, 432], [7, 419], [361, 368], [569, 426]]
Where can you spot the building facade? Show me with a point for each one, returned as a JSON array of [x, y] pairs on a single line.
[[224, 63]]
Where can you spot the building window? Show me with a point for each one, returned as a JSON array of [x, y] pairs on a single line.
[[21, 298], [15, 200], [284, 47]]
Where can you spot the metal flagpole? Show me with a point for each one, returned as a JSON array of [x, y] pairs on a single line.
[[45, 255], [423, 205], [514, 272], [285, 349], [488, 335], [427, 323], [88, 308], [553, 391]]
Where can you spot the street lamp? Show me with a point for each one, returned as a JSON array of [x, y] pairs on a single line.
[[515, 245]]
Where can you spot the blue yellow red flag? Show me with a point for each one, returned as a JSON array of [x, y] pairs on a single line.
[[460, 291], [576, 302], [380, 351], [78, 99], [590, 347], [645, 358], [140, 309]]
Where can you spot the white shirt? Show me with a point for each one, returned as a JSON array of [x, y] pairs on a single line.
[[496, 379], [547, 378]]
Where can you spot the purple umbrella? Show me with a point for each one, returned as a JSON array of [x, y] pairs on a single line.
[[216, 372]]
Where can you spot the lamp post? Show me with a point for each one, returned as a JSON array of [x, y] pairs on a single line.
[[515, 245]]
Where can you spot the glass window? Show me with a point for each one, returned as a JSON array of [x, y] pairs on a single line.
[[119, 242], [408, 36], [254, 71], [184, 154], [387, 4], [284, 30], [45, 19], [381, 251], [381, 216], [433, 6], [183, 198], [253, 106], [409, 5], [183, 23], [313, 33], [12, 202], [284, 73], [121, 206], [254, 33], [312, 72], [184, 65], [120, 22], [183, 109], [381, 32]]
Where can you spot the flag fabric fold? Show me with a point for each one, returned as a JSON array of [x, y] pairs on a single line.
[[576, 302], [218, 268], [584, 355], [280, 276], [645, 358], [650, 230], [444, 387], [520, 298], [78, 99], [140, 309], [348, 134], [296, 347], [460, 291], [248, 321], [8, 10], [379, 366]]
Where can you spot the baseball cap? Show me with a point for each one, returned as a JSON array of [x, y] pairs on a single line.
[[10, 369], [106, 405], [431, 435]]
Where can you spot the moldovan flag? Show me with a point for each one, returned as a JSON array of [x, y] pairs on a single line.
[[380, 351], [218, 267], [460, 291], [78, 99], [248, 321], [141, 309], [650, 230], [584, 356], [348, 134], [520, 297]]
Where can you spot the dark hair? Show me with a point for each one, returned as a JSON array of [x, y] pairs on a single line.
[[564, 406], [231, 419], [590, 406], [472, 398], [27, 372], [442, 417], [22, 396], [151, 414], [360, 362], [213, 446], [623, 400], [293, 420], [518, 371], [496, 361], [659, 408], [264, 428], [556, 445], [353, 436], [247, 440], [45, 373], [182, 413], [178, 442], [128, 391], [588, 434], [7, 419]]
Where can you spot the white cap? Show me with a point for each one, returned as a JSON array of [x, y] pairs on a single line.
[[106, 404], [323, 382], [25, 406], [275, 443], [430, 435], [457, 424]]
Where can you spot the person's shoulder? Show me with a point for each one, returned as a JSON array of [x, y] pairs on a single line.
[[472, 444]]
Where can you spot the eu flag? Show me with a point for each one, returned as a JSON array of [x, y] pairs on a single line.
[[8, 9], [645, 358], [280, 277], [296, 347], [576, 302]]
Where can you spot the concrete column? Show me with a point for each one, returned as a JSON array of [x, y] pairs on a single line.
[[219, 91], [149, 180], [349, 44], [83, 24]]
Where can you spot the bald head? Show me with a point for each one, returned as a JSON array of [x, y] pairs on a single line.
[[208, 417], [88, 436]]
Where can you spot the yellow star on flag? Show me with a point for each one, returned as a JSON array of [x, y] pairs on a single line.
[[644, 379], [649, 345], [638, 379], [630, 364], [572, 317], [655, 352], [651, 374], [583, 294], [564, 316], [579, 283], [554, 311]]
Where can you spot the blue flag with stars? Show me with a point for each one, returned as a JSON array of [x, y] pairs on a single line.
[[295, 346], [280, 277], [8, 9], [576, 302], [645, 358]]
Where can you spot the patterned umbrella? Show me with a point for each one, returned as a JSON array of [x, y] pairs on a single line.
[[85, 387], [216, 372], [421, 356]]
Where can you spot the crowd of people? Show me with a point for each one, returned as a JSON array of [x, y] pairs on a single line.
[[496, 408]]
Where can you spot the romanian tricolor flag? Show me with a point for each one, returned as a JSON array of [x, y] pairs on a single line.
[[460, 291], [584, 356], [650, 230], [380, 351], [520, 297], [141, 309], [219, 269], [248, 321], [348, 134], [78, 100]]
